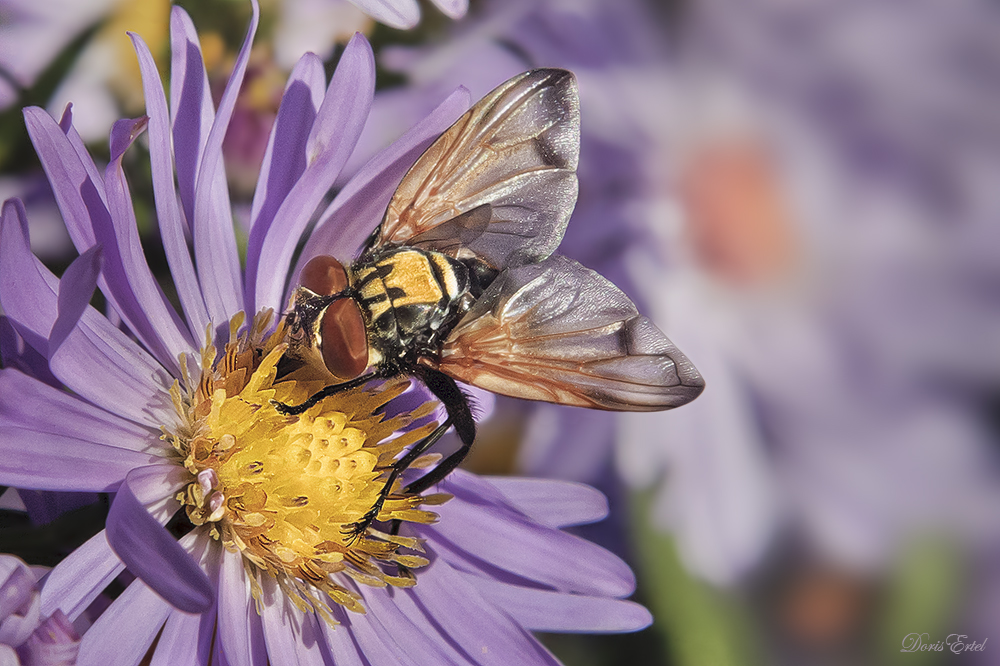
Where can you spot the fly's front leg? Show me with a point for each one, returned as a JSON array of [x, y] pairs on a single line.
[[325, 392]]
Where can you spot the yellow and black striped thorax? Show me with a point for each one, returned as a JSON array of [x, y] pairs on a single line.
[[410, 300]]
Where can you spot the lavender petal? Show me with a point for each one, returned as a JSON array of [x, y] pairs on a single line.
[[553, 503], [343, 644], [168, 212], [97, 361], [190, 104], [17, 586], [124, 632], [175, 644], [399, 14], [293, 638], [76, 143], [547, 610], [455, 9], [43, 461], [156, 487], [84, 205], [215, 252], [485, 633], [85, 209], [76, 581], [552, 558], [208, 553], [281, 169], [339, 122], [63, 415], [21, 620], [396, 631], [75, 291], [67, 175], [126, 268], [16, 354], [119, 384], [239, 624], [152, 554], [53, 643], [359, 207], [188, 639]]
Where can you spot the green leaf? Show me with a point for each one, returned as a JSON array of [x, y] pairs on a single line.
[[702, 625], [923, 597]]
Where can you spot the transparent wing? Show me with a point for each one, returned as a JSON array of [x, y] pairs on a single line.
[[501, 182], [559, 332]]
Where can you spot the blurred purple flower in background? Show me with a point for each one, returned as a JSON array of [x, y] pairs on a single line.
[[858, 360], [172, 424], [32, 34], [27, 637], [49, 240], [315, 26], [406, 13], [894, 107], [102, 79]]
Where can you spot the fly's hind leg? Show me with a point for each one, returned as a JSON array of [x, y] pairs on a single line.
[[459, 415], [355, 530]]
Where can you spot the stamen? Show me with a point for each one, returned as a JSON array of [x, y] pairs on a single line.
[[207, 479]]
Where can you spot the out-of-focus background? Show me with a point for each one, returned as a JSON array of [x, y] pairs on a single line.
[[803, 194]]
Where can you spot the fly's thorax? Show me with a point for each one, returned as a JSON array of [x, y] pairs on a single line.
[[410, 299]]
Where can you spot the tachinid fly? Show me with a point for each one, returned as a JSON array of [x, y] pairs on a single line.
[[459, 281]]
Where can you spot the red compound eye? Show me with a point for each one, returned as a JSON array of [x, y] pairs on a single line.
[[324, 275], [345, 341]]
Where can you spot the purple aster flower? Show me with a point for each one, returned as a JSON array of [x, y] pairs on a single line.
[[49, 239], [32, 34], [102, 80], [176, 415], [406, 13], [317, 26], [829, 287], [879, 114], [27, 638]]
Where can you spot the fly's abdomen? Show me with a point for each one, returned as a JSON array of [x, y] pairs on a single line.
[[411, 299]]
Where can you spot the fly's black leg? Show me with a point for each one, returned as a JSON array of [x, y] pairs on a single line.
[[459, 413], [324, 393], [354, 530]]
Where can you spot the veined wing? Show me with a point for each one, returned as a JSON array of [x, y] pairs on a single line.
[[559, 332], [501, 182]]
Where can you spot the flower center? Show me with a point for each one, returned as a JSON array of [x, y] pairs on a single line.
[[285, 490]]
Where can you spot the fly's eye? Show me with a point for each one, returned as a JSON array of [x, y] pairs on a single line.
[[324, 275], [345, 341]]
